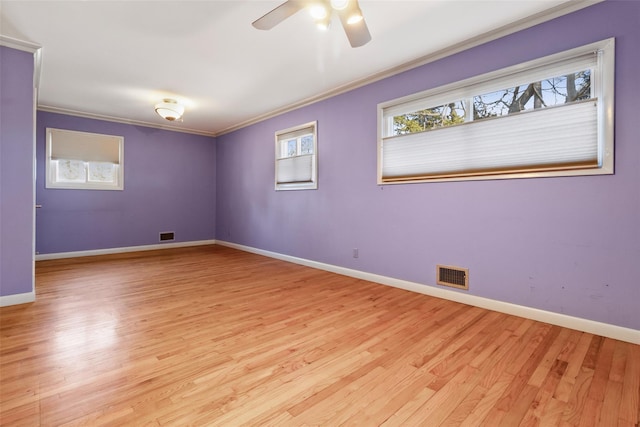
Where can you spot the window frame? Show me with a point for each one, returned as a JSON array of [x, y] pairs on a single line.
[[297, 132], [51, 164], [603, 87]]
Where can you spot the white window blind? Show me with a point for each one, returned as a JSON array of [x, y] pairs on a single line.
[[552, 138], [83, 160], [72, 145], [572, 138], [295, 169]]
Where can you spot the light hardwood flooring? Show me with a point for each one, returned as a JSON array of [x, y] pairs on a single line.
[[218, 337]]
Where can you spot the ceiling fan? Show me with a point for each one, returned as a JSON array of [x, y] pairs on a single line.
[[348, 10]]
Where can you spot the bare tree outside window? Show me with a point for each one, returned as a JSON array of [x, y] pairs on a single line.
[[546, 93], [536, 95]]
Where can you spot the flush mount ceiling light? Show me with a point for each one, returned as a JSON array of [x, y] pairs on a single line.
[[169, 109]]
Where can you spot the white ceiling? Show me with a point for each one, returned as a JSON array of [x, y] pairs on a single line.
[[116, 59]]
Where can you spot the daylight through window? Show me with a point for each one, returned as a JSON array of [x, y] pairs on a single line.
[[81, 160], [296, 158], [548, 117]]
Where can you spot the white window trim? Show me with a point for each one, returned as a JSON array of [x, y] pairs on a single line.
[[603, 89], [51, 164], [289, 133]]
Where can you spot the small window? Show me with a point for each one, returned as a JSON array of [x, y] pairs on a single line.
[[548, 117], [81, 160], [296, 158]]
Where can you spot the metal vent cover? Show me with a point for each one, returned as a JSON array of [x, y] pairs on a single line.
[[167, 236], [456, 277]]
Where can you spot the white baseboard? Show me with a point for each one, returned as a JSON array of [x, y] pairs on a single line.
[[577, 323], [17, 299], [60, 255]]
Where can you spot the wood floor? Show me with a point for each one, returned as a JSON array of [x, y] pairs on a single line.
[[218, 337]]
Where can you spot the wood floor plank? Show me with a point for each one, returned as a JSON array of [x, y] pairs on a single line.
[[460, 413], [543, 402], [630, 402], [215, 336], [578, 398], [378, 412], [549, 360], [435, 410], [611, 405], [574, 358]]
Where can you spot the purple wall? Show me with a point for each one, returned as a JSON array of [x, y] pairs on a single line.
[[169, 185], [16, 171], [568, 245]]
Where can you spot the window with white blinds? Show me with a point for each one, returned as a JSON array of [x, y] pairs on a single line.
[[296, 158], [82, 160], [548, 117]]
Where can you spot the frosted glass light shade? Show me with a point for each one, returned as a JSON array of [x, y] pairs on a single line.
[[169, 109]]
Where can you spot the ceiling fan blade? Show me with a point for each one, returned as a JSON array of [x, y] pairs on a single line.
[[279, 14], [357, 33]]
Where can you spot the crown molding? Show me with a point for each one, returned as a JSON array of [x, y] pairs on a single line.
[[547, 15], [19, 44], [75, 113], [36, 50], [555, 12], [29, 47]]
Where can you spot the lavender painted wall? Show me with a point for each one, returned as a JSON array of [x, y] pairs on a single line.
[[169, 185], [16, 171], [567, 245]]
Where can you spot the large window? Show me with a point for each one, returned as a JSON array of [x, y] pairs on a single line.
[[296, 158], [81, 160], [548, 117]]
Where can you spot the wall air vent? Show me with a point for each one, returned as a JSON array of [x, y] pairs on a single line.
[[167, 236], [455, 277]]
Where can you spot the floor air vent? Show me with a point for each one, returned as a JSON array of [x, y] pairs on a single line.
[[455, 277]]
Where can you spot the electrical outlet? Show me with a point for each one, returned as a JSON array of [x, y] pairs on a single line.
[[355, 252]]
